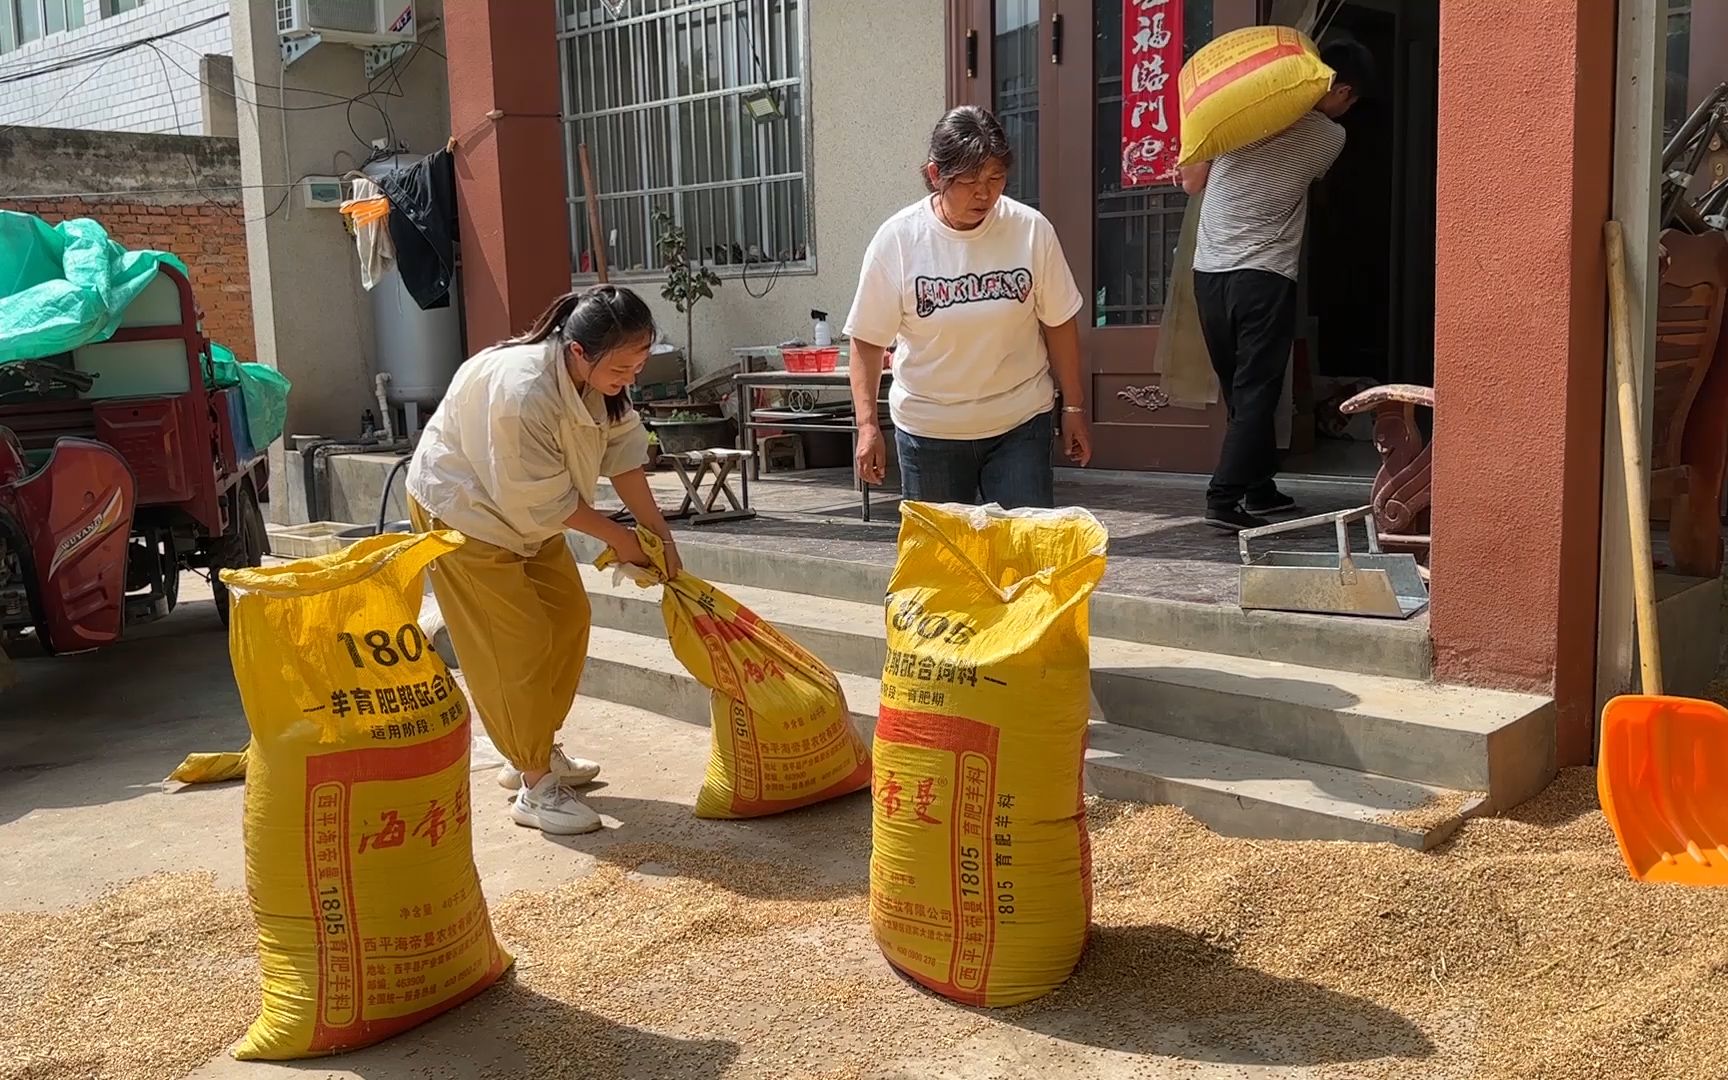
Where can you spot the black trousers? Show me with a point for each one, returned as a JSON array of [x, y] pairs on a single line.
[[1248, 318]]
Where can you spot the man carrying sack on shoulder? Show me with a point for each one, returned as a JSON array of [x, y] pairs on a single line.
[[1247, 258]]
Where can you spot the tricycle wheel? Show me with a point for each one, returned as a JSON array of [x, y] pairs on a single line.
[[241, 548]]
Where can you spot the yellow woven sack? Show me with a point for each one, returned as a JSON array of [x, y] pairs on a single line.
[[359, 854], [980, 872], [782, 736], [1245, 86], [211, 768]]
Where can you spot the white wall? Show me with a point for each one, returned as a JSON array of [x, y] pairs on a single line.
[[871, 129], [137, 90], [312, 318]]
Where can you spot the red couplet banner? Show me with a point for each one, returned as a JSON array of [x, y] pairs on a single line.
[[1151, 113]]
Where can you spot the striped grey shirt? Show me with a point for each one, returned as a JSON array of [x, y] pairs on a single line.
[[1256, 202]]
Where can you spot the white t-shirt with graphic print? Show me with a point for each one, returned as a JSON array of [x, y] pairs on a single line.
[[966, 307]]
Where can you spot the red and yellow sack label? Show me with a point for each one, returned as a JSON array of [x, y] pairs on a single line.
[[782, 737], [359, 849], [1247, 85], [980, 870]]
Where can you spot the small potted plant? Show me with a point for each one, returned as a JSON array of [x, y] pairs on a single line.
[[688, 427], [686, 285]]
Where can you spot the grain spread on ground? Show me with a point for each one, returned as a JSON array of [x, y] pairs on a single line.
[[1520, 950]]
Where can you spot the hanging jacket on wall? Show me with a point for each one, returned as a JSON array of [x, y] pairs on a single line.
[[423, 226]]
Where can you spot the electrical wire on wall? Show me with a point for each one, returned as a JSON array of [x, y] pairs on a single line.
[[100, 57], [345, 102], [24, 70], [761, 185], [386, 84], [180, 129], [59, 101]]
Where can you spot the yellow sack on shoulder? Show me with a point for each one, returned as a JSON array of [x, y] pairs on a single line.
[[1245, 86], [980, 870], [782, 736], [359, 854]]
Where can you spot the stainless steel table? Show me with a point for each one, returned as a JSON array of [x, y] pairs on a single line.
[[802, 419]]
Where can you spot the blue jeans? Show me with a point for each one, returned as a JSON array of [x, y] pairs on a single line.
[[1012, 469]]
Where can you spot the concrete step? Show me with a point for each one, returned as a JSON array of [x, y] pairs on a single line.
[[1448, 737], [1236, 792], [1399, 649], [1243, 793]]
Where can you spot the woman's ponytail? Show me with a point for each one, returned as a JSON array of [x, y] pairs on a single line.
[[599, 319]]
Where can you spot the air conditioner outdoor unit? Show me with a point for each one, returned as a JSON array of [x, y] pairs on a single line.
[[350, 22]]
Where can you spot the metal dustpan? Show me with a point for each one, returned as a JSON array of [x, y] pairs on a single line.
[[1376, 583]]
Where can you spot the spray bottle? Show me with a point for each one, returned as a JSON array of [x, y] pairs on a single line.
[[821, 336]]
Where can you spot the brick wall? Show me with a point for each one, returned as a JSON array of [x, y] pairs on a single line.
[[209, 238], [163, 192]]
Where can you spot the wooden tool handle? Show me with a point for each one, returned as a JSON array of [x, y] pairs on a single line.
[[596, 241], [1632, 459]]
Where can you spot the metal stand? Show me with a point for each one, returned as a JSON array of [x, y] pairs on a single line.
[[716, 467], [1376, 584], [293, 48], [803, 415]]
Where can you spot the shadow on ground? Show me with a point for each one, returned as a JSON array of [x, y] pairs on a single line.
[[511, 1031], [821, 852], [1157, 990], [91, 710]]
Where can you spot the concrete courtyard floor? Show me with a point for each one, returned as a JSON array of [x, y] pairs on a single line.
[[668, 947], [85, 742]]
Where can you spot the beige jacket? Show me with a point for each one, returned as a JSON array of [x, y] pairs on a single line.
[[514, 450]]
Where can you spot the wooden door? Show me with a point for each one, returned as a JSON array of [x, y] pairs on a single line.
[[1122, 243], [1416, 84], [999, 58]]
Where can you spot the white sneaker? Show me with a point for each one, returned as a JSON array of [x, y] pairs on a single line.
[[549, 807], [573, 772]]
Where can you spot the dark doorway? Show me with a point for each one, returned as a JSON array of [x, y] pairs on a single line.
[[1369, 280]]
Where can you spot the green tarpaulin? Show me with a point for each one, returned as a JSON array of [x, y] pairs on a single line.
[[263, 388], [68, 285]]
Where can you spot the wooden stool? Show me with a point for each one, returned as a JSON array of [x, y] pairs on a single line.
[[767, 444], [715, 467]]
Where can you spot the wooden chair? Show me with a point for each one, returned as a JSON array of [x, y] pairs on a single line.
[[1689, 451], [1403, 487], [1689, 440]]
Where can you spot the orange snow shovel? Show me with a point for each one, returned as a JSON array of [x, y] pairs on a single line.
[[1662, 770]]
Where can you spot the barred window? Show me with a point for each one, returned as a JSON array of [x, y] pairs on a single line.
[[24, 21], [662, 93]]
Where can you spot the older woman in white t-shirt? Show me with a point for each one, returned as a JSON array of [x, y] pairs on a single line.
[[974, 286]]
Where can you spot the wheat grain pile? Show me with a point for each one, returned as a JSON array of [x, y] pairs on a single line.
[[148, 981], [1520, 951]]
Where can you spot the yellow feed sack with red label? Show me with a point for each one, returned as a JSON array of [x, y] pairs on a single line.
[[359, 855], [1245, 86], [782, 736], [980, 873]]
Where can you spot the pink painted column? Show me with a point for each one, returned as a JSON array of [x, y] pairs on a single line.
[[1526, 126], [503, 57]]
